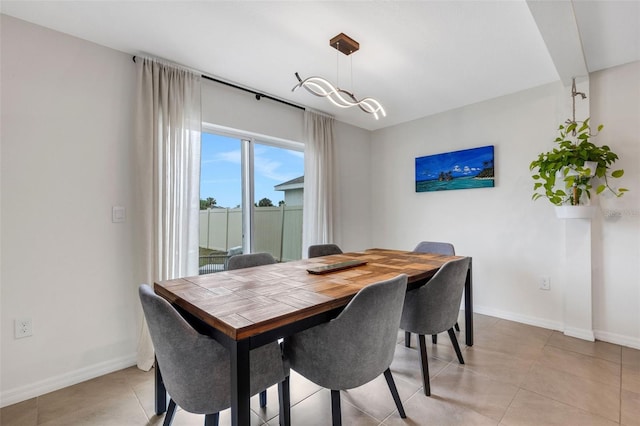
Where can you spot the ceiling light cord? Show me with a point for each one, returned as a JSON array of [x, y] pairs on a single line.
[[351, 70]]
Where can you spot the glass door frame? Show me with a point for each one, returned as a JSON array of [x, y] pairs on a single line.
[[248, 140]]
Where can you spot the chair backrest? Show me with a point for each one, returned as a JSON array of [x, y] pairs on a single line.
[[434, 307], [358, 345], [435, 247], [323, 250], [233, 251], [195, 368], [241, 261]]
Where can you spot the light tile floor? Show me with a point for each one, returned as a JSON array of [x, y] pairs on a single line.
[[514, 374]]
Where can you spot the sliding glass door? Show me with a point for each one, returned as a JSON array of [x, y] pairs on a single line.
[[250, 197], [278, 182]]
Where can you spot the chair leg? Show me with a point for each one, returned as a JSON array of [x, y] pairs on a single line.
[[336, 414], [457, 327], [434, 339], [212, 419], [263, 398], [171, 411], [454, 341], [407, 339], [285, 402], [424, 364], [394, 392]]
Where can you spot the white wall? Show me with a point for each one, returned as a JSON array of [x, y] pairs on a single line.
[[514, 241], [66, 160], [236, 109], [354, 193], [615, 95]]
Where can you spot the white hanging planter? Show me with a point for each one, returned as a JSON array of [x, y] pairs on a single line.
[[575, 212], [591, 165]]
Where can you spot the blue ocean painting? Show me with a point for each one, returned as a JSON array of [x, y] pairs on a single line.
[[469, 168]]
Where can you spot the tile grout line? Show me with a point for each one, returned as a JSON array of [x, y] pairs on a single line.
[[567, 404], [620, 392]]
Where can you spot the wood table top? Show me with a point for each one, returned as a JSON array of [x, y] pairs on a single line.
[[246, 302]]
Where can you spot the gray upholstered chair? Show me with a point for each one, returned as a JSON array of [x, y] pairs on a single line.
[[323, 250], [434, 307], [196, 369], [355, 347], [437, 247], [241, 261]]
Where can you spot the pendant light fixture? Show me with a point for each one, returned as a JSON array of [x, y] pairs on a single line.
[[339, 97]]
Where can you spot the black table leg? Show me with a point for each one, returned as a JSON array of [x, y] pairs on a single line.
[[468, 307], [160, 391], [240, 392]]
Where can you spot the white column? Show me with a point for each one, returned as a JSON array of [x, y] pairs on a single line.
[[578, 320], [578, 312]]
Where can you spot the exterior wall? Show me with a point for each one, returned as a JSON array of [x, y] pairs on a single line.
[[294, 197]]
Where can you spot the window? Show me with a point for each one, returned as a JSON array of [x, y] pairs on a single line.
[[250, 197]]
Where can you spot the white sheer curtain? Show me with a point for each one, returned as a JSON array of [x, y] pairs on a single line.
[[168, 126], [318, 181]]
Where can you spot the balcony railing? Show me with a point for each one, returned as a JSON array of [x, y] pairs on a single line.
[[217, 262]]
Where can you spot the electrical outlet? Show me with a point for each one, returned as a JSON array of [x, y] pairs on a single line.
[[545, 283], [23, 328]]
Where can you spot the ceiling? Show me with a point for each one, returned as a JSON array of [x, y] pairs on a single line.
[[417, 58]]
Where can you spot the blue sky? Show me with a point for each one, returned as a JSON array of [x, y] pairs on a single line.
[[220, 173], [468, 162]]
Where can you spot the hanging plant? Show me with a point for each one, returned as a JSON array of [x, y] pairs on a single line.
[[574, 164]]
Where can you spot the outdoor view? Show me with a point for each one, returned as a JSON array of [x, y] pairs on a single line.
[[278, 188]]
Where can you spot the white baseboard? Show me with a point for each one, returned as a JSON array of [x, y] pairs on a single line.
[[580, 333], [618, 339], [32, 390], [512, 316], [605, 336]]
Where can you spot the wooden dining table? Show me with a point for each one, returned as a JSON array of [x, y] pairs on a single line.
[[246, 308]]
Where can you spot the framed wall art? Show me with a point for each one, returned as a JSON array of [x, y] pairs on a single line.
[[465, 169]]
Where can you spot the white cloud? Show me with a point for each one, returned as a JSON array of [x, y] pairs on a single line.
[[269, 169], [229, 157]]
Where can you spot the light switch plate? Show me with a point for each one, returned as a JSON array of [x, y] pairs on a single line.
[[118, 214]]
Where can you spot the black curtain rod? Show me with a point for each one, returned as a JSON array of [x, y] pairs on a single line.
[[258, 95]]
